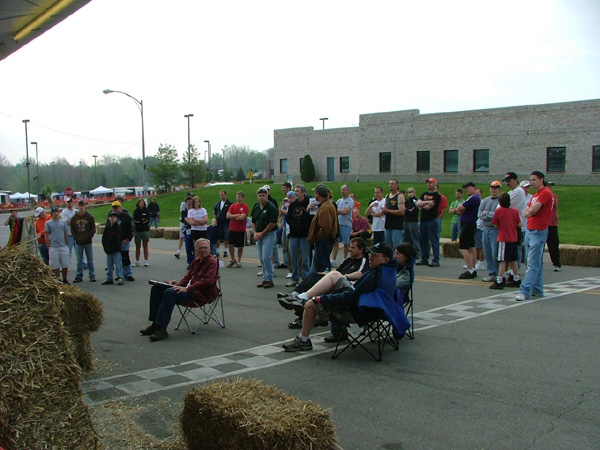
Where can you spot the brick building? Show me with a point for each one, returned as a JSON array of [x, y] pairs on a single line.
[[561, 139]]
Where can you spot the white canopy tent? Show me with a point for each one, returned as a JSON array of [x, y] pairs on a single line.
[[101, 190], [25, 196]]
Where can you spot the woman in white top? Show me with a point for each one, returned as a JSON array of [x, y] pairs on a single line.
[[197, 218]]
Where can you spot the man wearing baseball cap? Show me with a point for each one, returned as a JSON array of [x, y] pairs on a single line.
[[519, 202], [468, 227], [40, 227], [126, 224], [57, 240], [485, 214]]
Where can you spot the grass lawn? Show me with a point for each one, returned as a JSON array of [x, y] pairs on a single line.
[[576, 220]]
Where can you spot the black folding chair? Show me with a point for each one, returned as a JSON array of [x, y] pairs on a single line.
[[203, 313], [407, 300]]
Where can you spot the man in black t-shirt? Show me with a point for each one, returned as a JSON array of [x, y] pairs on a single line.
[[429, 203], [299, 219]]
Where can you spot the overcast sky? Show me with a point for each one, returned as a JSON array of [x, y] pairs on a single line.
[[247, 68]]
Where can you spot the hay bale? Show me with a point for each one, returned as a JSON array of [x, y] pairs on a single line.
[[41, 403], [171, 232], [156, 232], [100, 228], [450, 249], [580, 255], [244, 414]]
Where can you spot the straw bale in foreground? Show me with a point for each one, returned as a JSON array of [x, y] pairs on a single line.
[[41, 403], [244, 414]]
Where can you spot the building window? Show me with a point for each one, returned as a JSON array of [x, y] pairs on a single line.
[[344, 164], [423, 161], [450, 160], [596, 158], [283, 166], [385, 162], [481, 160], [555, 159]]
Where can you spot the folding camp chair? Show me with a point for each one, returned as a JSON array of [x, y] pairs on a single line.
[[378, 314], [407, 300], [204, 313]]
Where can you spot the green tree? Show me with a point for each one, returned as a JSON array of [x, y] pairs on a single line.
[[166, 168], [240, 174], [192, 167], [308, 170]]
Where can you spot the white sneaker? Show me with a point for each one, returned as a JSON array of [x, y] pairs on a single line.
[[259, 274], [146, 264], [136, 264], [480, 265], [333, 263], [489, 278], [520, 297], [465, 266], [556, 269], [289, 275]]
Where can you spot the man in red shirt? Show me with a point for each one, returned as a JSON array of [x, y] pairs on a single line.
[[538, 213], [236, 214]]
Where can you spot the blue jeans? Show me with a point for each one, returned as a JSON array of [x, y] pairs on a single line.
[[154, 220], [490, 250], [322, 250], [189, 247], [275, 249], [89, 256], [413, 236], [439, 221], [429, 235], [533, 283], [71, 244], [114, 259], [284, 242], [44, 254], [394, 237], [299, 244], [265, 250], [454, 231], [162, 303], [127, 272]]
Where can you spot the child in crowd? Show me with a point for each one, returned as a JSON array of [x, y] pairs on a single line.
[[508, 223], [111, 242]]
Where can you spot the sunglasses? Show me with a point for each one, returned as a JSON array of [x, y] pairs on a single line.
[[496, 187]]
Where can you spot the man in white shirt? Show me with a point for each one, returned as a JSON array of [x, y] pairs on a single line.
[[375, 210]]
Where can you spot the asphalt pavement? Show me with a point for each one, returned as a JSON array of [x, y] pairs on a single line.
[[483, 370]]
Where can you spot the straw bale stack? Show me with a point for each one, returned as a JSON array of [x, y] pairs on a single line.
[[41, 402], [171, 233], [244, 414], [156, 233], [100, 228], [580, 255], [81, 313], [450, 250]]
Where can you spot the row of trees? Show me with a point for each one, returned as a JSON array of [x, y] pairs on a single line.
[[164, 170]]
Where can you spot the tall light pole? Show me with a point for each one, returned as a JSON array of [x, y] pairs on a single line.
[[95, 167], [140, 105], [53, 175], [26, 121], [37, 168], [323, 119], [208, 142], [80, 175], [224, 160], [190, 148]]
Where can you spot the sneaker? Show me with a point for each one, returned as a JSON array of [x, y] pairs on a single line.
[[259, 274], [434, 264], [289, 275], [465, 266], [65, 281], [225, 255], [333, 263], [130, 278], [513, 283], [489, 278], [92, 279], [238, 265], [298, 345], [177, 255], [497, 285], [247, 242], [281, 266], [556, 268], [150, 330], [520, 297], [231, 264], [480, 265], [261, 284], [146, 264], [159, 335], [136, 264], [467, 275], [77, 280], [291, 283], [335, 337], [119, 281], [422, 263], [296, 324], [268, 284], [108, 282]]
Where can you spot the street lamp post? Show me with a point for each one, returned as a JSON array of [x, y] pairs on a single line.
[[53, 175], [323, 119], [95, 167], [26, 121], [80, 176], [190, 148], [140, 105], [208, 142], [224, 148], [37, 169]]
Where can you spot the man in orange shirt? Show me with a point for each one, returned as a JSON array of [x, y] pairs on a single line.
[[40, 228]]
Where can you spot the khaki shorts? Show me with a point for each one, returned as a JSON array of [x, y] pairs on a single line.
[[139, 236], [60, 258]]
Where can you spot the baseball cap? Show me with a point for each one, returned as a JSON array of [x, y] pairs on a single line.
[[431, 180], [510, 176], [54, 209], [382, 248], [116, 203], [468, 184], [550, 183], [291, 194], [495, 183], [112, 213], [81, 203], [38, 211], [267, 187], [525, 183], [69, 200], [322, 190]]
